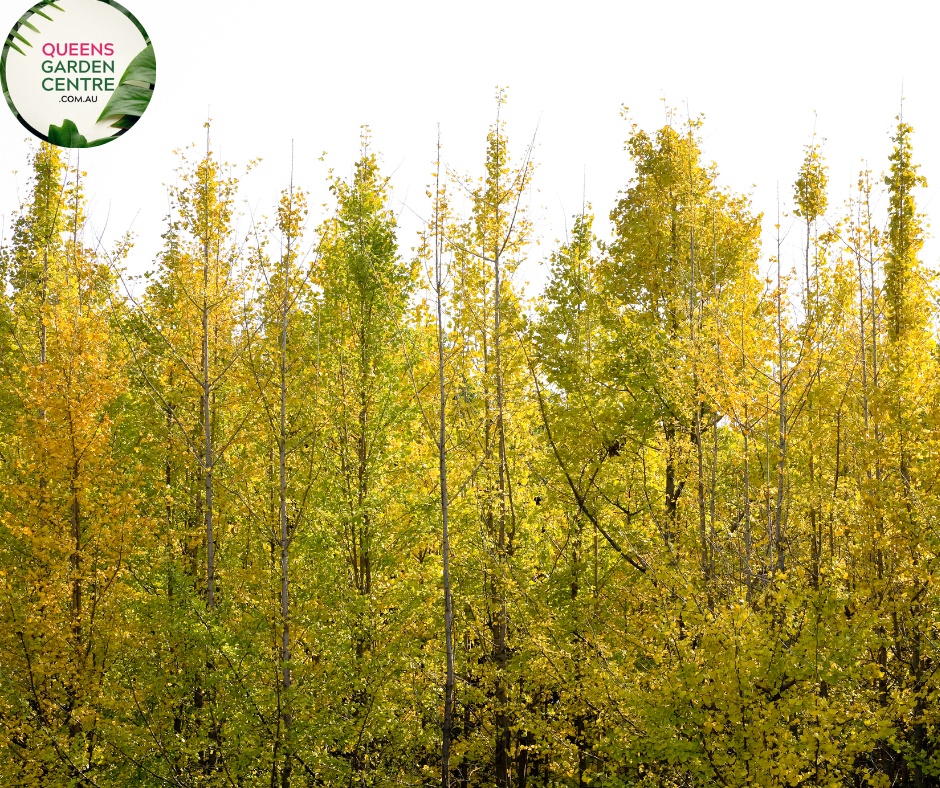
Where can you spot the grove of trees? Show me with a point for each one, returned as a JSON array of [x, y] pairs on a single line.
[[303, 506]]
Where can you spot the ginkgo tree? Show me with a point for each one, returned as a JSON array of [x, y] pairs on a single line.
[[74, 521], [305, 506]]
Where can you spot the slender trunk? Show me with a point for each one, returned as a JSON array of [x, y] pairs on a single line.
[[714, 469], [700, 489], [862, 335], [879, 553], [445, 504], [782, 439], [206, 404], [207, 449], [208, 758], [809, 309], [701, 496], [43, 339], [578, 652], [672, 494], [747, 507], [703, 539], [919, 732], [669, 430], [365, 530], [285, 528], [499, 642], [43, 302], [75, 562], [76, 557], [168, 478], [747, 471], [468, 708], [767, 493], [815, 527], [596, 568]]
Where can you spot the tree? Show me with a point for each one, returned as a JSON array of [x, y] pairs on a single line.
[[71, 526], [279, 379], [374, 455], [487, 250], [657, 274], [183, 336], [908, 412]]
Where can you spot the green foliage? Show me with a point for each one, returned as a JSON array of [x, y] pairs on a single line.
[[24, 22], [67, 136], [130, 100], [691, 526]]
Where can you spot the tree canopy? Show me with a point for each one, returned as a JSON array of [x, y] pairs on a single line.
[[316, 509]]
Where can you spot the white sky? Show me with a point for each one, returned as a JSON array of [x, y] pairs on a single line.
[[272, 72]]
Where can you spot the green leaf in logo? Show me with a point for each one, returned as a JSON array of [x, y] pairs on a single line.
[[143, 68], [130, 101], [24, 21], [67, 136]]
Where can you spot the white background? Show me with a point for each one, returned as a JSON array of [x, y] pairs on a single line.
[[764, 75]]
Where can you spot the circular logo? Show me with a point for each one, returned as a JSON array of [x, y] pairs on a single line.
[[78, 73]]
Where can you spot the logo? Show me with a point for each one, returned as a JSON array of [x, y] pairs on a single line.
[[78, 73]]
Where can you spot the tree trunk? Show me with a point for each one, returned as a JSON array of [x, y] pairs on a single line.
[[285, 535], [445, 504], [500, 652]]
